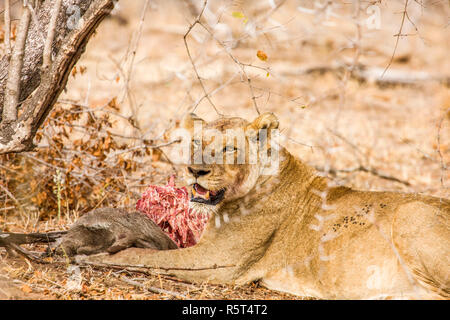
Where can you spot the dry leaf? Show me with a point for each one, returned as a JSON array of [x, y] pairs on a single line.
[[26, 288], [74, 71], [261, 55]]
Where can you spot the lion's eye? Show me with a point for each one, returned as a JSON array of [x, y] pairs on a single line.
[[229, 149]]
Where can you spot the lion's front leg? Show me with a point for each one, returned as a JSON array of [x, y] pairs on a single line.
[[222, 255], [197, 264]]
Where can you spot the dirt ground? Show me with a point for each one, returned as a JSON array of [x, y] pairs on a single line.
[[332, 119]]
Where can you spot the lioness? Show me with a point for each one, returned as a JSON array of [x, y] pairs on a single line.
[[293, 232]]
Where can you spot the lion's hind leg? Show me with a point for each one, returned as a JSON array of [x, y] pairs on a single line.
[[421, 235]]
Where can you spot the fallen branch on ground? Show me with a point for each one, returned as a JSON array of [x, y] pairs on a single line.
[[375, 74], [153, 289], [132, 267], [361, 168]]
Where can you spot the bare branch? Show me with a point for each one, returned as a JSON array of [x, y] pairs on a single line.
[[361, 168], [197, 21], [350, 69], [9, 194], [48, 52], [14, 72], [126, 74], [365, 73], [153, 289], [7, 28], [438, 149], [398, 35], [145, 146], [131, 267], [240, 64]]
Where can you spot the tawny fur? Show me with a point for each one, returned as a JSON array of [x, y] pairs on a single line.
[[295, 233]]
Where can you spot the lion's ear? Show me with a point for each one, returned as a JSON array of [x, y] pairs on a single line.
[[188, 121], [267, 121]]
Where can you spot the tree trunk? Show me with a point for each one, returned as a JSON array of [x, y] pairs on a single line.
[[40, 85]]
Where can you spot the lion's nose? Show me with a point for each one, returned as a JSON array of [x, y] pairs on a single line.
[[198, 173]]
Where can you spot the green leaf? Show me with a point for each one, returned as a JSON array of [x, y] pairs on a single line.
[[238, 15]]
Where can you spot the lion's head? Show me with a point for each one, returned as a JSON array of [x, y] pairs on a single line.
[[226, 157]]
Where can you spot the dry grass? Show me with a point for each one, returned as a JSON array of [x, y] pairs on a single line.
[[329, 119], [37, 281]]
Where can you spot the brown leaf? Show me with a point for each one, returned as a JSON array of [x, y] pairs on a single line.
[[74, 71], [261, 55], [113, 104], [26, 288]]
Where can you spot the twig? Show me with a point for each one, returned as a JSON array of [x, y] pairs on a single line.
[[352, 145], [12, 93], [197, 21], [240, 64], [8, 193], [7, 208], [130, 267], [145, 146], [130, 68], [398, 38], [439, 152], [212, 92], [7, 28], [300, 143], [350, 69], [47, 55], [361, 168], [101, 108], [374, 74], [153, 289]]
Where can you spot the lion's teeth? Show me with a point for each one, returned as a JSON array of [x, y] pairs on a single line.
[[207, 195], [194, 193]]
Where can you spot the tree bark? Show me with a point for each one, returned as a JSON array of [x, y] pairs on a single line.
[[40, 87]]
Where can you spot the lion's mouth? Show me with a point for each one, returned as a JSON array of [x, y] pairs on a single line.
[[202, 195]]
